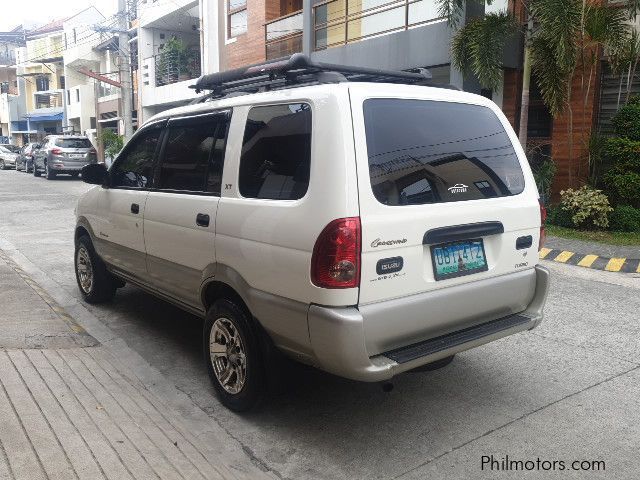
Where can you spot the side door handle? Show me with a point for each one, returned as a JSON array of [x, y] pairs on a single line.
[[135, 208], [202, 220]]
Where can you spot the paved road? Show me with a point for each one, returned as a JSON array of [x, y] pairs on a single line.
[[567, 391]]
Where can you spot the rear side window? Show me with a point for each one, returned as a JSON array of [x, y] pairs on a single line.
[[424, 151], [276, 152], [73, 143], [194, 154]]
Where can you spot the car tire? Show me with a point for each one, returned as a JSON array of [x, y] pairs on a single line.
[[437, 365], [96, 284], [36, 172], [48, 173], [234, 353], [2, 165], [75, 174]]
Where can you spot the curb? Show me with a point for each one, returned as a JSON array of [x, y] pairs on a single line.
[[594, 262]]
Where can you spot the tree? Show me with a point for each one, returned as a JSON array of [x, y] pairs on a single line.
[[560, 36]]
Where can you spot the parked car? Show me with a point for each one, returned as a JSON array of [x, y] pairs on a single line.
[[365, 228], [7, 157], [24, 161], [63, 154]]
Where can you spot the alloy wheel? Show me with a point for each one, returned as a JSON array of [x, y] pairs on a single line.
[[85, 269], [227, 353]]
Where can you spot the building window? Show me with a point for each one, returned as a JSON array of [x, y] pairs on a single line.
[[540, 122], [68, 97], [236, 17], [61, 82], [42, 83], [77, 95]]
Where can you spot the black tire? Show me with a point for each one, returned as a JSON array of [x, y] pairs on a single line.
[[75, 174], [234, 316], [437, 365], [2, 165], [102, 286], [36, 172], [48, 173]]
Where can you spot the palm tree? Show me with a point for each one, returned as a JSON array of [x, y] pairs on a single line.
[[560, 36]]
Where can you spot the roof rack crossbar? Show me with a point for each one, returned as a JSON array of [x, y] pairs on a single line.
[[299, 69]]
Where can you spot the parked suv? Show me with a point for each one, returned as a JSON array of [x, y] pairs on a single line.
[[7, 156], [365, 228], [63, 154]]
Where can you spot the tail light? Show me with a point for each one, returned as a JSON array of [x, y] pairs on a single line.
[[56, 151], [335, 262], [543, 220], [92, 151]]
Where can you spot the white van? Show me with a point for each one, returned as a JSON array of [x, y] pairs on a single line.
[[356, 220]]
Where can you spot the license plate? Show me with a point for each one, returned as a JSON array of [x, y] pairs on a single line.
[[76, 155], [456, 259]]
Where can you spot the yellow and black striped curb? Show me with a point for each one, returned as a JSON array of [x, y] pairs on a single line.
[[596, 262], [58, 310]]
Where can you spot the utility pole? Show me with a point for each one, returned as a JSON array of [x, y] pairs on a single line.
[[125, 68]]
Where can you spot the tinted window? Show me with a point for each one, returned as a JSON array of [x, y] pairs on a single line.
[[431, 152], [194, 155], [73, 143], [134, 167], [276, 152]]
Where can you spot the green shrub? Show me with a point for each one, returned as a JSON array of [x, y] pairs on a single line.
[[627, 120], [112, 143], [543, 174], [623, 152], [556, 215], [625, 219], [623, 186], [588, 207]]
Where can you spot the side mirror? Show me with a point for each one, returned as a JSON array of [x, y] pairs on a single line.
[[95, 174]]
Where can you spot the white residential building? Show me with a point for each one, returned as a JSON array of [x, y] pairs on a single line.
[[174, 50]]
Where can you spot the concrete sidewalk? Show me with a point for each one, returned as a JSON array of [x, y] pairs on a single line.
[[69, 409]]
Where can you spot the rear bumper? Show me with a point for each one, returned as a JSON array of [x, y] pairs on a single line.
[[339, 343]]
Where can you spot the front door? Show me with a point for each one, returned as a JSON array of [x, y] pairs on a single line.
[[180, 213], [118, 230]]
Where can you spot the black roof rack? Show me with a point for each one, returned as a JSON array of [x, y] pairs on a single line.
[[297, 70]]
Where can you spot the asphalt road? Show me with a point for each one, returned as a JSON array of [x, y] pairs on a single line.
[[569, 390]]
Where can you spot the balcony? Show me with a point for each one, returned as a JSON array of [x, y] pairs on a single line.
[[336, 24], [173, 67], [283, 36]]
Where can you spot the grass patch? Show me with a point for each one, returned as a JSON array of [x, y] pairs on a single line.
[[611, 238]]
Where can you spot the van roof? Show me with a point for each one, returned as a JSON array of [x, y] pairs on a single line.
[[321, 90]]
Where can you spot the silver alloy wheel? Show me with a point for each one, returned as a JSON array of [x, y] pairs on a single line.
[[85, 269], [227, 355], [1, 164]]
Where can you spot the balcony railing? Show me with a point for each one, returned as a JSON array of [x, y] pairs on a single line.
[[48, 100], [283, 36], [176, 67], [336, 24], [7, 58]]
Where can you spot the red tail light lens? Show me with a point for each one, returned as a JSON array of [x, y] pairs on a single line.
[[543, 220], [56, 151], [335, 262]]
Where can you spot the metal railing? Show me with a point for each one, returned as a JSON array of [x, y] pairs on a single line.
[[283, 36], [7, 58], [171, 67], [335, 24]]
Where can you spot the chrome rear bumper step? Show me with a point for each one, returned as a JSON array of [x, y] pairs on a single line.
[[453, 339]]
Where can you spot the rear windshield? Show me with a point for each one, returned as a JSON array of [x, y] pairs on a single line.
[[73, 142], [424, 151], [11, 148]]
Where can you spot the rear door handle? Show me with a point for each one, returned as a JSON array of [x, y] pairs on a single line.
[[202, 220], [135, 208]]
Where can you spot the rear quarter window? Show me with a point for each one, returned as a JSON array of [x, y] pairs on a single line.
[[423, 151]]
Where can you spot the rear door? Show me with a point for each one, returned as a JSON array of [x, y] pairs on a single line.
[[444, 193], [180, 213]]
